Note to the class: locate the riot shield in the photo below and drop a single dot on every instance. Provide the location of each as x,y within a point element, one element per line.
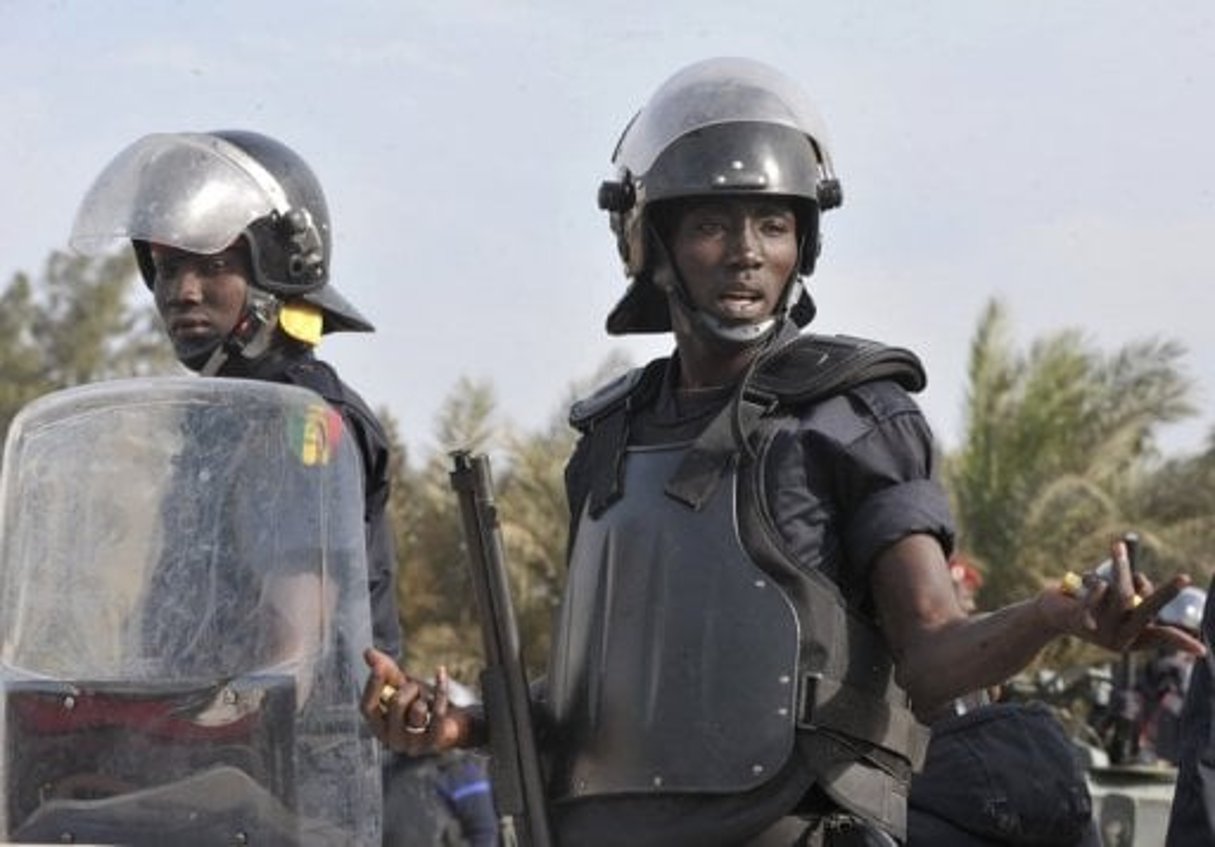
<point>183,600</point>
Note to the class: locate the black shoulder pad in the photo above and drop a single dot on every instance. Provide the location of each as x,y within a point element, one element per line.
<point>317,376</point>
<point>812,367</point>
<point>607,398</point>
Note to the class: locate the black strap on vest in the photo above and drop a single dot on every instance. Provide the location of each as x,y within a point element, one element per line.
<point>604,419</point>
<point>808,369</point>
<point>823,701</point>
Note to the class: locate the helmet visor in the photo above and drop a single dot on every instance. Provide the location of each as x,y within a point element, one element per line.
<point>191,191</point>
<point>716,91</point>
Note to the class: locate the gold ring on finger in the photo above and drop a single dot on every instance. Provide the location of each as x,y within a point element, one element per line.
<point>420,730</point>
<point>387,693</point>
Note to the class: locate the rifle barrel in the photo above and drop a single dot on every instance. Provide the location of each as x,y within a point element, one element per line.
<point>518,783</point>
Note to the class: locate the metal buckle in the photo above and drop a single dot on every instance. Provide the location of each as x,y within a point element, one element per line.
<point>765,400</point>
<point>807,697</point>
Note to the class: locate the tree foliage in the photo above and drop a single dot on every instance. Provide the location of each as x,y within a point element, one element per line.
<point>438,608</point>
<point>72,325</point>
<point>1059,458</point>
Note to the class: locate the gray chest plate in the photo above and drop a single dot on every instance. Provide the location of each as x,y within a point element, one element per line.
<point>675,657</point>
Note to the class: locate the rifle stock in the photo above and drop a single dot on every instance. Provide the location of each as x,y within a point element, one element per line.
<point>518,784</point>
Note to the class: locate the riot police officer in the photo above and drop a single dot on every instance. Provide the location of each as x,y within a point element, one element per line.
<point>758,604</point>
<point>232,236</point>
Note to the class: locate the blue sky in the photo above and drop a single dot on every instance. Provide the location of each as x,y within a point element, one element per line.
<point>1053,154</point>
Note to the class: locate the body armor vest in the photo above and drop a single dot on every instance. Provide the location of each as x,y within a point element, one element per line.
<point>676,547</point>
<point>654,666</point>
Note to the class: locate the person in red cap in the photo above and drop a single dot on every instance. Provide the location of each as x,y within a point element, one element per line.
<point>967,580</point>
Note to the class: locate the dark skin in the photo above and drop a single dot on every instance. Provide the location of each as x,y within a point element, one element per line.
<point>735,257</point>
<point>200,296</point>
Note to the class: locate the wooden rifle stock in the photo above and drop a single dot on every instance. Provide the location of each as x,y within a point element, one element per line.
<point>516,777</point>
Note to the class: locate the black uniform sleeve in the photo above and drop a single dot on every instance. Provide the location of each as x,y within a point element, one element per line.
<point>886,475</point>
<point>865,480</point>
<point>373,449</point>
<point>577,486</point>
<point>381,549</point>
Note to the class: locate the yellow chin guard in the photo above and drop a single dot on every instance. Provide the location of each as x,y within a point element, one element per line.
<point>302,321</point>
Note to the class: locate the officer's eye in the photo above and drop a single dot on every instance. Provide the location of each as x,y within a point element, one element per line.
<point>776,225</point>
<point>216,265</point>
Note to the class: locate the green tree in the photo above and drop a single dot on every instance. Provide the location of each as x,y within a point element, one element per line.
<point>400,505</point>
<point>535,524</point>
<point>22,377</point>
<point>73,325</point>
<point>536,518</point>
<point>438,609</point>
<point>1057,443</point>
<point>1178,499</point>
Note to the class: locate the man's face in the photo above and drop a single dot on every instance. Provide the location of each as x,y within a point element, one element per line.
<point>736,255</point>
<point>200,297</point>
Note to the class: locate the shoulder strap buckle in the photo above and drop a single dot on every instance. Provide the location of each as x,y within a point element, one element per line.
<point>764,402</point>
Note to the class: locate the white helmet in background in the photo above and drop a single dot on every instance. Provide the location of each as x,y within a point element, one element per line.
<point>1185,610</point>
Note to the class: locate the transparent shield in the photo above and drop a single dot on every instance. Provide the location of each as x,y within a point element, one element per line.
<point>192,191</point>
<point>715,91</point>
<point>183,601</point>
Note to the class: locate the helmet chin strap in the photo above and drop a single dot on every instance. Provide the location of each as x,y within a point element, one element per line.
<point>741,335</point>
<point>712,327</point>
<point>252,335</point>
<point>214,362</point>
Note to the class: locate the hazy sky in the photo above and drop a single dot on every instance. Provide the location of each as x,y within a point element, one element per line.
<point>1057,155</point>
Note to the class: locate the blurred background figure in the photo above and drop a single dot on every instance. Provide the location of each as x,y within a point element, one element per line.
<point>1165,679</point>
<point>966,582</point>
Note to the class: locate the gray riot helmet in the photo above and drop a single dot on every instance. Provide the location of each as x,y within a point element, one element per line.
<point>1185,610</point>
<point>721,127</point>
<point>200,192</point>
